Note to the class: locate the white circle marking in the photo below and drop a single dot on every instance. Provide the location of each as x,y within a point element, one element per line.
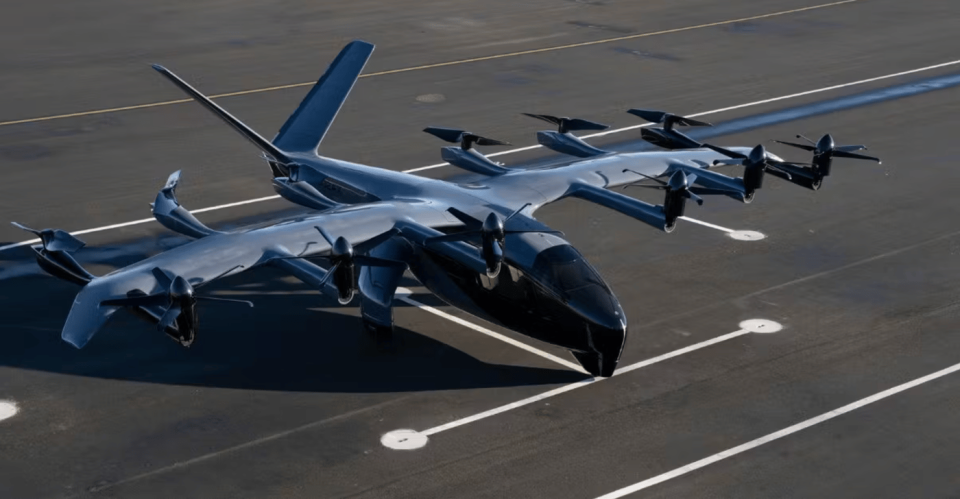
<point>761,326</point>
<point>404,439</point>
<point>8,409</point>
<point>746,235</point>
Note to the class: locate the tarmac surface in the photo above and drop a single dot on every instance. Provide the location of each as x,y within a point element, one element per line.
<point>289,400</point>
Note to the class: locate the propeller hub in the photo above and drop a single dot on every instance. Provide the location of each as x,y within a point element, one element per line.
<point>180,288</point>
<point>678,181</point>
<point>825,144</point>
<point>342,249</point>
<point>757,154</point>
<point>493,226</point>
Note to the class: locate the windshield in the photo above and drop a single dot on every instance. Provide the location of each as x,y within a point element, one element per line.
<point>564,270</point>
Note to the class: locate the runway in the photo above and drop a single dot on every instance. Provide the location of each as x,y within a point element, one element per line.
<point>853,397</point>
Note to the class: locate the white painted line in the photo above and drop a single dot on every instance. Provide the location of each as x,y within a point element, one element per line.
<point>8,409</point>
<point>420,438</point>
<point>505,339</point>
<point>528,148</point>
<point>778,434</point>
<point>677,353</point>
<point>705,224</point>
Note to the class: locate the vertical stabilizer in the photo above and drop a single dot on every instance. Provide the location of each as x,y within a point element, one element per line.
<point>307,126</point>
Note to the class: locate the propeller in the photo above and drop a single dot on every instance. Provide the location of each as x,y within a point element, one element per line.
<point>54,239</point>
<point>491,233</point>
<point>668,120</point>
<point>758,157</point>
<point>465,138</point>
<point>686,184</point>
<point>179,299</point>
<point>678,182</point>
<point>565,124</point>
<point>344,257</point>
<point>825,149</point>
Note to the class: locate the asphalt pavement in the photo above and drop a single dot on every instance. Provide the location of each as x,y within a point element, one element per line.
<point>290,400</point>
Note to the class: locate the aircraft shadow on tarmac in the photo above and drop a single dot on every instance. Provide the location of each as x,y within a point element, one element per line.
<point>293,340</point>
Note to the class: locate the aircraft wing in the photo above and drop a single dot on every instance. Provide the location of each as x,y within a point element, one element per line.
<point>146,287</point>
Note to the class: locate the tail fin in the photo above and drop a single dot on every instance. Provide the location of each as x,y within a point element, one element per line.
<point>307,126</point>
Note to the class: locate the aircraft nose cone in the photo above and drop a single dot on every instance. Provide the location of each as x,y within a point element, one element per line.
<point>607,343</point>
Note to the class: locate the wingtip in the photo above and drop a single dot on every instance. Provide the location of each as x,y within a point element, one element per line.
<point>159,68</point>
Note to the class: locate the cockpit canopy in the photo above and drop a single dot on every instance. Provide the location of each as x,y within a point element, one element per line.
<point>563,270</point>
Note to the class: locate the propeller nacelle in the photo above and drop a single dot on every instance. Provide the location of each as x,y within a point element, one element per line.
<point>824,150</point>
<point>345,258</point>
<point>491,232</point>
<point>679,188</point>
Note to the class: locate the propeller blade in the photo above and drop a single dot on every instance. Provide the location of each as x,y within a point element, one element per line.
<point>470,222</point>
<point>785,172</point>
<point>850,148</point>
<point>844,154</point>
<point>545,117</point>
<point>661,182</point>
<point>446,134</point>
<point>515,213</point>
<point>326,278</point>
<point>635,184</point>
<point>163,279</point>
<point>169,317</point>
<point>24,227</point>
<point>569,124</point>
<point>727,162</point>
<point>798,146</point>
<point>651,116</point>
<point>691,179</point>
<point>693,196</point>
<point>230,300</point>
<point>577,124</point>
<point>808,140</point>
<point>725,152</point>
<point>375,241</point>
<point>325,234</point>
<point>483,141</point>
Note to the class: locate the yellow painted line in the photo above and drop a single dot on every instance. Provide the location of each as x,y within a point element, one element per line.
<point>439,64</point>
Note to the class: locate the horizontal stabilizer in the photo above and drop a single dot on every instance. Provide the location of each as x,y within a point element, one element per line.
<point>306,127</point>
